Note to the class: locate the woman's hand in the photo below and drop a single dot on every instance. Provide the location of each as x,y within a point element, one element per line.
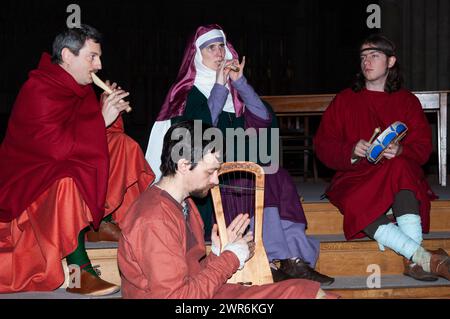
<point>236,75</point>
<point>222,73</point>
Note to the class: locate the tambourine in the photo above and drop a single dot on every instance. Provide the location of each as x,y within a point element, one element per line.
<point>394,133</point>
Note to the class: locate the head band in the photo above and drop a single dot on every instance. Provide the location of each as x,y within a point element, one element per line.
<point>385,51</point>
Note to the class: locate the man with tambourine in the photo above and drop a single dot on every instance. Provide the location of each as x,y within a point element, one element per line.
<point>373,178</point>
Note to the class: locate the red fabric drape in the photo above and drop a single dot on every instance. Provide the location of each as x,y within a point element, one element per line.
<point>54,164</point>
<point>55,130</point>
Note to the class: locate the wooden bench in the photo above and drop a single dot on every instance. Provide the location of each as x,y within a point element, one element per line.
<point>303,106</point>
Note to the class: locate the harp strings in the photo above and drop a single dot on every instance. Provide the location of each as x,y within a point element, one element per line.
<point>237,190</point>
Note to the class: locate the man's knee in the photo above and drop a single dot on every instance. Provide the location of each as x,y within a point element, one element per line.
<point>372,228</point>
<point>405,202</point>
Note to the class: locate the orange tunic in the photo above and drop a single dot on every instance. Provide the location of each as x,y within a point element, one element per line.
<point>162,256</point>
<point>129,172</point>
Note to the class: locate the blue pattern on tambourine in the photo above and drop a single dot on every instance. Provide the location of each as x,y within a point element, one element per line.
<point>394,132</point>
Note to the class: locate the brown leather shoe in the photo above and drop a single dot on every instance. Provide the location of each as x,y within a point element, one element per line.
<point>439,251</point>
<point>416,271</point>
<point>107,232</point>
<point>91,285</point>
<point>440,265</point>
<point>297,268</point>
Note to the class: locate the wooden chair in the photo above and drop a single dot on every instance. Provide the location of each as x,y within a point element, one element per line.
<point>315,104</point>
<point>296,138</point>
<point>237,193</point>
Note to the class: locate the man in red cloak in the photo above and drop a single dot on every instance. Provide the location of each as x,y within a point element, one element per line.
<point>65,163</point>
<point>363,191</point>
<point>162,250</point>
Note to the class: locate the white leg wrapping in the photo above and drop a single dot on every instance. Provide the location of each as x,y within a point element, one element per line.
<point>391,236</point>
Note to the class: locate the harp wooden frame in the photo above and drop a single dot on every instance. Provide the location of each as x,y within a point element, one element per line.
<point>256,270</point>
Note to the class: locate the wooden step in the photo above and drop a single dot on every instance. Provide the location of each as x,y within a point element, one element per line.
<point>337,257</point>
<point>324,218</point>
<point>56,294</point>
<point>352,258</point>
<point>391,286</point>
<point>347,261</point>
<point>348,287</point>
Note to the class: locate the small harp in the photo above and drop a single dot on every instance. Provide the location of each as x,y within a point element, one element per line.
<point>241,190</point>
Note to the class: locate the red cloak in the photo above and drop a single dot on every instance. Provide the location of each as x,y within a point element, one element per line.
<point>56,130</point>
<point>364,191</point>
<point>57,137</point>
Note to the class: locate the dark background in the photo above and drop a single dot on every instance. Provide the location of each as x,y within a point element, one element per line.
<point>291,47</point>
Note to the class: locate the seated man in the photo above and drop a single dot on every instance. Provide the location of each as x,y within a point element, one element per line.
<point>363,191</point>
<point>211,87</point>
<point>65,163</point>
<point>162,251</point>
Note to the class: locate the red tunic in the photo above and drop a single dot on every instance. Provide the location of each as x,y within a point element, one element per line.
<point>161,255</point>
<point>364,191</point>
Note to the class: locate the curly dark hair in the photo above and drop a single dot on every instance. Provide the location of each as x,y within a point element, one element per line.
<point>183,140</point>
<point>394,79</point>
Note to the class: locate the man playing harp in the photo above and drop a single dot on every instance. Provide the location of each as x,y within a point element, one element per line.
<point>162,251</point>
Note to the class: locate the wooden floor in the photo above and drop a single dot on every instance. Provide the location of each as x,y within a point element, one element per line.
<point>353,263</point>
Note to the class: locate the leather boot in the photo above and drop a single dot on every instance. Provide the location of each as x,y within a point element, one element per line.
<point>440,265</point>
<point>297,268</point>
<point>277,273</point>
<point>107,232</point>
<point>439,251</point>
<point>91,285</point>
<point>416,271</point>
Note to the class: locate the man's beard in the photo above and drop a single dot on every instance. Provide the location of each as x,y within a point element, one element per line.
<point>200,192</point>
